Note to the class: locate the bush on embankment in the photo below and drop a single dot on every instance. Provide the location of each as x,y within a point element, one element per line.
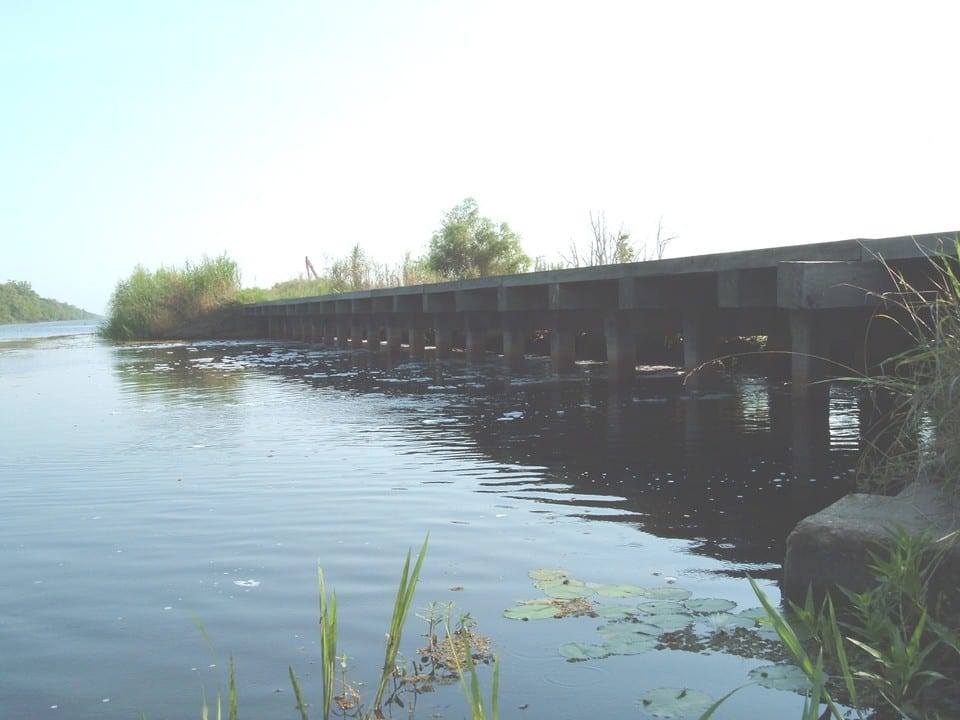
<point>154,305</point>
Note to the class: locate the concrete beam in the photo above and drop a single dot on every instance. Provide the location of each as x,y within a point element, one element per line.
<point>820,285</point>
<point>593,295</point>
<point>527,298</point>
<point>439,302</point>
<point>480,300</point>
<point>751,288</point>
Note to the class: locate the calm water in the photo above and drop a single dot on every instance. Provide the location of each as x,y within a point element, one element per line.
<point>143,486</point>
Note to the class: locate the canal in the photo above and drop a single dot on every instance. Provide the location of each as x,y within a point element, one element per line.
<point>146,489</point>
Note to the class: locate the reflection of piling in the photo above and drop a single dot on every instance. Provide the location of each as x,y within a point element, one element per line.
<point>810,428</point>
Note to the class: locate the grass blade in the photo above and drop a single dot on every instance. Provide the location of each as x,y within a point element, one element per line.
<point>301,705</point>
<point>401,608</point>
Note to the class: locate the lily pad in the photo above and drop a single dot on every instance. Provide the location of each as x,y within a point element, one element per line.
<point>548,575</point>
<point>627,630</point>
<point>668,593</point>
<point>675,702</point>
<point>614,612</point>
<point>620,591</point>
<point>630,644</point>
<point>781,677</point>
<point>670,622</point>
<point>566,590</point>
<point>755,613</point>
<point>532,610</point>
<point>661,607</point>
<point>577,651</point>
<point>706,606</point>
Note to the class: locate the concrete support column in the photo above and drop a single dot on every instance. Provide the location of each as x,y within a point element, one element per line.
<point>475,329</point>
<point>394,335</point>
<point>618,330</point>
<point>514,340</point>
<point>343,331</point>
<point>443,328</point>
<point>373,335</point>
<point>809,347</point>
<point>328,332</point>
<point>699,339</point>
<point>415,330</point>
<point>563,349</point>
<point>356,332</point>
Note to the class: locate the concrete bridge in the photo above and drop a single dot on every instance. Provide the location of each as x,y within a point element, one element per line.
<point>815,301</point>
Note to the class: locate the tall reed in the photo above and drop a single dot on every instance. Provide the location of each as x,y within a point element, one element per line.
<point>924,380</point>
<point>401,609</point>
<point>151,305</point>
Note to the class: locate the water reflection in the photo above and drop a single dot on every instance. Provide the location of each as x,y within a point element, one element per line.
<point>179,371</point>
<point>732,470</point>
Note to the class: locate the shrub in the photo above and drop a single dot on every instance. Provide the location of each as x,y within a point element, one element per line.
<point>153,305</point>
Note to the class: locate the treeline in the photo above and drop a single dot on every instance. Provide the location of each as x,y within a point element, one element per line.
<point>19,303</point>
<point>159,304</point>
<point>466,245</point>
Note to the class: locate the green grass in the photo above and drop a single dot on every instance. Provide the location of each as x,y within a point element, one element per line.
<point>923,382</point>
<point>349,700</point>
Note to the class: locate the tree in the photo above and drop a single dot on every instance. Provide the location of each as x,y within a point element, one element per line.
<point>609,248</point>
<point>467,245</point>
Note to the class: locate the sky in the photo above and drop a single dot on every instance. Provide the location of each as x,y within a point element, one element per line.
<point>140,132</point>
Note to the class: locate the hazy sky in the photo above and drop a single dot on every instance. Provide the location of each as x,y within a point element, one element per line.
<point>154,132</point>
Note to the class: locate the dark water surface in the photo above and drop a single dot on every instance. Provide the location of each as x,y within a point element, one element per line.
<point>143,486</point>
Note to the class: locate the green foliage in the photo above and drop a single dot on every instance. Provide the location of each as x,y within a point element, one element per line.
<point>349,698</point>
<point>893,640</point>
<point>328,644</point>
<point>401,608</point>
<point>471,690</point>
<point>890,621</point>
<point>468,246</point>
<point>922,381</point>
<point>154,305</point>
<point>19,303</point>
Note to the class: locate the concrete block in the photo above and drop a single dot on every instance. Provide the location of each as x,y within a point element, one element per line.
<point>832,548</point>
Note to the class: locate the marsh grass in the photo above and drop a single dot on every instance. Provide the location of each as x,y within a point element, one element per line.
<point>348,700</point>
<point>470,680</point>
<point>401,609</point>
<point>288,289</point>
<point>922,383</point>
<point>232,687</point>
<point>152,305</point>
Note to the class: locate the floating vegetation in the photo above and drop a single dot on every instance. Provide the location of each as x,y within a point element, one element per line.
<point>664,618</point>
<point>549,608</point>
<point>675,702</point>
<point>781,677</point>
